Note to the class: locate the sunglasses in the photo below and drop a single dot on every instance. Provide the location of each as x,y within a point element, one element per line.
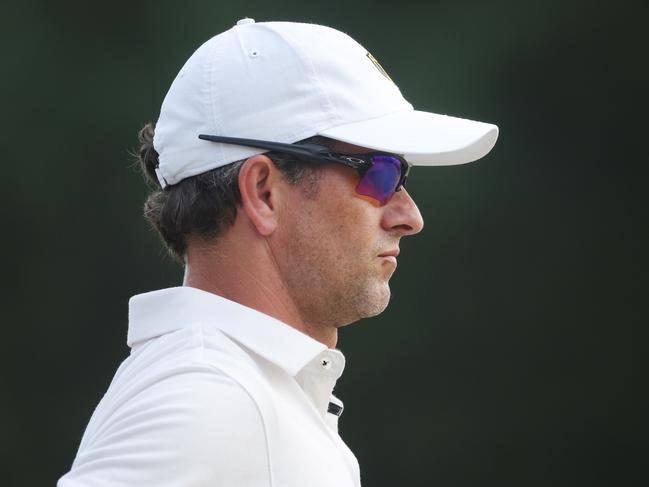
<point>381,175</point>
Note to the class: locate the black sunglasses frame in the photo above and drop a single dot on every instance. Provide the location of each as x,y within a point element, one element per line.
<point>316,153</point>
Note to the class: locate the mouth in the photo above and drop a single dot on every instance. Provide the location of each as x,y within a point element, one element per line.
<point>390,256</point>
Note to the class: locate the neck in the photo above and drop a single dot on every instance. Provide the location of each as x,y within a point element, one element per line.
<point>249,275</point>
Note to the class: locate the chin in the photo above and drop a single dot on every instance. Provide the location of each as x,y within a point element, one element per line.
<point>365,303</point>
<point>377,302</point>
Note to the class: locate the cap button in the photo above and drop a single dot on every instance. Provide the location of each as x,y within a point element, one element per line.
<point>246,21</point>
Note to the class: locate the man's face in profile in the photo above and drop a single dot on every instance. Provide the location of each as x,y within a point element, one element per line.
<point>338,249</point>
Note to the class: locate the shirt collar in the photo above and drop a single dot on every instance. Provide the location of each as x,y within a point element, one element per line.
<point>159,312</point>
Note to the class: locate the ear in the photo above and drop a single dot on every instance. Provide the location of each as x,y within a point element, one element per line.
<point>260,187</point>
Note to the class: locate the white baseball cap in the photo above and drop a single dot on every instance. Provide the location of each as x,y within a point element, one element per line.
<point>285,82</point>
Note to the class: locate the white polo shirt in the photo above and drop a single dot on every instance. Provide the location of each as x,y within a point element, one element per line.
<point>216,394</point>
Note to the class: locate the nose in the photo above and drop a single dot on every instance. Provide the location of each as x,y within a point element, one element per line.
<point>401,215</point>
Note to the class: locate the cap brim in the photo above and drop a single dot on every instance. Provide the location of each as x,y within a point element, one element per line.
<point>422,138</point>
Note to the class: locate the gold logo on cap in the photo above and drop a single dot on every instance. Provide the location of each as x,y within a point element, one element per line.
<point>379,67</point>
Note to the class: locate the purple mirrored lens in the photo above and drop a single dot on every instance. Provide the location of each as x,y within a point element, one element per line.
<point>380,180</point>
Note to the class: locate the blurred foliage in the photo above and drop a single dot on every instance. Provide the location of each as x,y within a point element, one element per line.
<point>513,349</point>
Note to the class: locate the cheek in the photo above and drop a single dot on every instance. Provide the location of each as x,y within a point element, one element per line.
<point>345,226</point>
<point>359,222</point>
<point>337,224</point>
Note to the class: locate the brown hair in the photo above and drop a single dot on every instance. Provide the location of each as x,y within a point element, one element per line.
<point>206,204</point>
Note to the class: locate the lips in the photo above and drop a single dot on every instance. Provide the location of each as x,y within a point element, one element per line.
<point>390,256</point>
<point>390,253</point>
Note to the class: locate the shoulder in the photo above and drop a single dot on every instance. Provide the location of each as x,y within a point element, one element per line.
<point>187,424</point>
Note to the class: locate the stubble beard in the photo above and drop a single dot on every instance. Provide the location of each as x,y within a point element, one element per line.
<point>330,293</point>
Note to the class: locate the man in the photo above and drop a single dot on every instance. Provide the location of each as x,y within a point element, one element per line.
<point>279,159</point>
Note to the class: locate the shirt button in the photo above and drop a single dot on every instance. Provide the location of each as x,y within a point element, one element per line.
<point>325,362</point>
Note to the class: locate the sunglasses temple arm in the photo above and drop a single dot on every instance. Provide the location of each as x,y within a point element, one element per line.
<point>311,152</point>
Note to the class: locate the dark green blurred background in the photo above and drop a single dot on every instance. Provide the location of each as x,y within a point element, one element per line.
<point>513,350</point>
